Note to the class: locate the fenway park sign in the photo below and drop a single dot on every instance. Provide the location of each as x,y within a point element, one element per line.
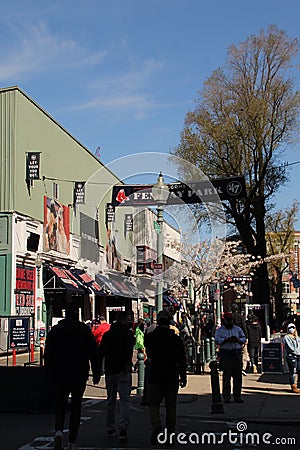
<point>197,192</point>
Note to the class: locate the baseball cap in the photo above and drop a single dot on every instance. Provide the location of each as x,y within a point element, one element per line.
<point>228,316</point>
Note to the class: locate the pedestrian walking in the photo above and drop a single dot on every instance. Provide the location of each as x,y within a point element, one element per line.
<point>70,349</point>
<point>254,341</point>
<point>116,349</point>
<point>139,341</point>
<point>231,338</point>
<point>100,329</point>
<point>292,356</point>
<point>166,354</point>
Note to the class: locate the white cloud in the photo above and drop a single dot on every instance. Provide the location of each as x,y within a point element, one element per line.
<point>35,49</point>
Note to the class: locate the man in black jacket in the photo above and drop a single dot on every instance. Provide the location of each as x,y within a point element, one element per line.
<point>167,358</point>
<point>69,350</point>
<point>116,348</point>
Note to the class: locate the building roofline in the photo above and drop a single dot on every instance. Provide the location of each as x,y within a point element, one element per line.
<point>17,88</point>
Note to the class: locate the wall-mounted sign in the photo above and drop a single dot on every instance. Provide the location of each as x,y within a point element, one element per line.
<point>24,292</point>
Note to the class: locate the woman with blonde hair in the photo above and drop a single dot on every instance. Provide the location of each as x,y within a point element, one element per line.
<point>292,356</point>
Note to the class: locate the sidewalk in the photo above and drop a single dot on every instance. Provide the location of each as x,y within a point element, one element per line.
<point>269,405</point>
<point>267,396</point>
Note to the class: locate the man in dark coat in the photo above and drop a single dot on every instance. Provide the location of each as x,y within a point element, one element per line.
<point>167,358</point>
<point>116,348</point>
<point>70,349</point>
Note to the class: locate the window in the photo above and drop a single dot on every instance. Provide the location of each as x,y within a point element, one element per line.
<point>286,287</point>
<point>55,190</point>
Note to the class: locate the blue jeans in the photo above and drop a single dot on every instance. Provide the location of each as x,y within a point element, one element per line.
<point>119,383</point>
<point>294,370</point>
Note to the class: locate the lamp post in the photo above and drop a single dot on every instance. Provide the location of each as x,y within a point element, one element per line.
<point>38,265</point>
<point>160,193</point>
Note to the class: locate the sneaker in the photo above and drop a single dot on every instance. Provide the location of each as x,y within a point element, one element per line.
<point>123,437</point>
<point>239,400</point>
<point>111,432</point>
<point>244,373</point>
<point>58,441</point>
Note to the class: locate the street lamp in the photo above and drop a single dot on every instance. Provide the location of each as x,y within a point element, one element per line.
<point>160,193</point>
<point>38,265</point>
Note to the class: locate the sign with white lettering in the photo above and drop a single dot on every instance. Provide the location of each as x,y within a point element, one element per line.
<point>194,192</point>
<point>33,166</point>
<point>79,193</point>
<point>18,335</point>
<point>24,291</point>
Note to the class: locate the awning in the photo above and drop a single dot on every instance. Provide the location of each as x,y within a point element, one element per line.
<point>118,285</point>
<point>88,282</point>
<point>169,300</point>
<point>65,280</point>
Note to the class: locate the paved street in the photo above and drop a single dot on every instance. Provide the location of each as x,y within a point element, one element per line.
<point>270,413</point>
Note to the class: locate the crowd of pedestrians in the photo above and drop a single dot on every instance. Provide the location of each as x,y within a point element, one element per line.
<point>74,348</point>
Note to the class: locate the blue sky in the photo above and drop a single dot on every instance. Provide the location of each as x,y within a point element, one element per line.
<point>122,74</point>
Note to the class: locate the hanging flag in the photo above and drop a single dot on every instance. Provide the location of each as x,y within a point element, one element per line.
<point>33,166</point>
<point>128,223</point>
<point>110,213</point>
<point>79,193</point>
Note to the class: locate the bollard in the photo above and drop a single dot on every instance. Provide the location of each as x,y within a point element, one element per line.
<point>213,348</point>
<point>14,357</point>
<point>31,334</point>
<point>217,404</point>
<point>207,349</point>
<point>141,370</point>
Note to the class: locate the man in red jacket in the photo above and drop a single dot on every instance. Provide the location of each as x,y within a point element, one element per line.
<point>102,328</point>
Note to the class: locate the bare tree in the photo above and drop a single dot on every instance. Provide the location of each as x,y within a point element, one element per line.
<point>280,239</point>
<point>245,116</point>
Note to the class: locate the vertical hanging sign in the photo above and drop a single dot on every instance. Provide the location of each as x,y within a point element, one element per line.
<point>110,213</point>
<point>79,193</point>
<point>33,166</point>
<point>128,223</point>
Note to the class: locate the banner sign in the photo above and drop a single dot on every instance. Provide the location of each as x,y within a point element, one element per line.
<point>110,213</point>
<point>89,232</point>
<point>24,292</point>
<point>33,166</point>
<point>128,223</point>
<point>56,226</point>
<point>79,193</point>
<point>195,192</point>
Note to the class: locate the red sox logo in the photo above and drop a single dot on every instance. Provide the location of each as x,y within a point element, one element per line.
<point>121,197</point>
